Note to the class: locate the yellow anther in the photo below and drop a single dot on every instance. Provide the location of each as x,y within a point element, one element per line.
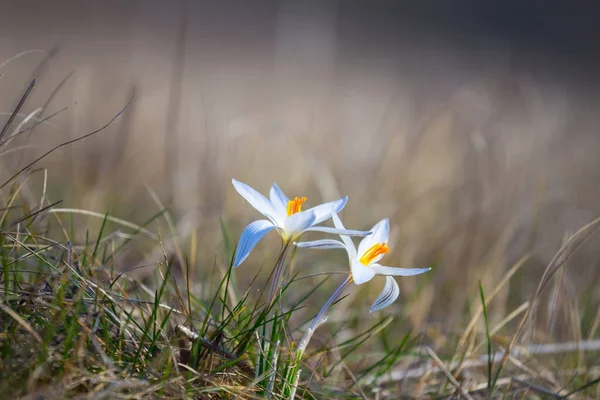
<point>375,251</point>
<point>295,206</point>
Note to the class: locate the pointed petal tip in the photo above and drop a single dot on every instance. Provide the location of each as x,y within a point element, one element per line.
<point>256,200</point>
<point>375,309</point>
<point>342,204</point>
<point>385,224</point>
<point>279,200</point>
<point>239,186</point>
<point>236,261</point>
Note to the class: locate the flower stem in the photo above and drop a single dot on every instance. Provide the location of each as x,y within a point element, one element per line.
<point>330,301</point>
<point>270,329</point>
<point>294,370</point>
<point>277,271</point>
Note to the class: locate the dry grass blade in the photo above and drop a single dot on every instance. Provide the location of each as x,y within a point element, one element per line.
<point>17,109</point>
<point>503,323</point>
<point>21,321</point>
<point>537,388</point>
<point>447,373</point>
<point>21,54</point>
<point>69,142</point>
<point>565,252</point>
<point>118,221</point>
<point>536,349</point>
<point>479,312</point>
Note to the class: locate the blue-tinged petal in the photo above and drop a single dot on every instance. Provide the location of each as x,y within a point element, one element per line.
<point>390,293</point>
<point>323,211</point>
<point>394,271</point>
<point>360,273</point>
<point>296,224</point>
<point>251,235</point>
<point>322,244</point>
<point>350,248</point>
<point>278,199</point>
<point>381,232</point>
<point>256,200</point>
<point>336,231</point>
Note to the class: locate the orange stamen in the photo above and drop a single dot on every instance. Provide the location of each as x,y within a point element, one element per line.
<point>375,251</point>
<point>295,206</point>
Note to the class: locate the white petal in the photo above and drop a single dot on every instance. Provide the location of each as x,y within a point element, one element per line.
<point>322,244</point>
<point>390,293</point>
<point>251,235</point>
<point>350,248</point>
<point>380,234</point>
<point>256,200</point>
<point>394,271</point>
<point>297,223</point>
<point>360,273</point>
<point>278,199</point>
<point>346,232</point>
<point>323,211</point>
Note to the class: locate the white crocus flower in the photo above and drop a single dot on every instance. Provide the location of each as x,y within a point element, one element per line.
<point>364,260</point>
<point>284,215</point>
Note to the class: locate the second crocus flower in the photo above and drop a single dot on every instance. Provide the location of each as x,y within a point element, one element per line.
<point>364,260</point>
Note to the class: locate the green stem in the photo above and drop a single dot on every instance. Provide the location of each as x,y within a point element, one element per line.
<point>329,302</point>
<point>269,330</point>
<point>294,370</point>
<point>277,272</point>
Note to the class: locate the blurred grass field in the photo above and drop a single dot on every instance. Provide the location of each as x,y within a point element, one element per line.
<point>486,170</point>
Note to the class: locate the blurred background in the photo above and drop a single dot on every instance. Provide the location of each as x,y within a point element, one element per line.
<point>472,125</point>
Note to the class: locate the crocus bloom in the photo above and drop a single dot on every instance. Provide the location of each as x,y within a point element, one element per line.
<point>364,260</point>
<point>284,215</point>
